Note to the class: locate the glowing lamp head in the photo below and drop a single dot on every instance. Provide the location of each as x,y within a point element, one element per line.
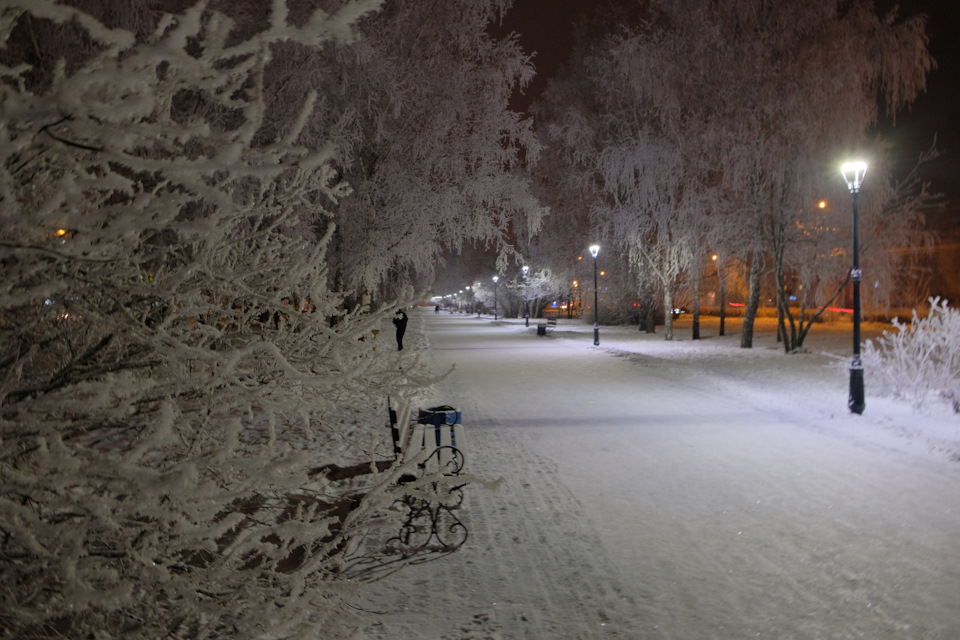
<point>594,250</point>
<point>853,173</point>
<point>496,278</point>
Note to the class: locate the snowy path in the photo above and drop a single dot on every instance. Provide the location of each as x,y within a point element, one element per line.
<point>645,500</point>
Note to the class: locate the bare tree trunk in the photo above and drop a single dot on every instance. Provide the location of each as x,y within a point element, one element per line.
<point>753,302</point>
<point>723,294</point>
<point>667,314</point>
<point>696,302</point>
<point>647,316</point>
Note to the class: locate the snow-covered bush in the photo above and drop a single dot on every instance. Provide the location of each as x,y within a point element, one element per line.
<point>173,363</point>
<point>920,358</point>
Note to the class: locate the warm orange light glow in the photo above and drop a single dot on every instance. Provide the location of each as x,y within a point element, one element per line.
<point>603,273</point>
<point>61,232</point>
<point>714,258</point>
<point>576,284</point>
<point>823,204</point>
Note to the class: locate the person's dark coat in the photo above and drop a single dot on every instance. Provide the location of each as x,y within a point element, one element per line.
<point>400,322</point>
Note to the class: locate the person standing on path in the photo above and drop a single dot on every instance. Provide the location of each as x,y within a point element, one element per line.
<point>400,322</point>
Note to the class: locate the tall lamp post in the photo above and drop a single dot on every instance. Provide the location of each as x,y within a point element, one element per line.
<point>526,303</point>
<point>496,279</point>
<point>722,277</point>
<point>594,251</point>
<point>853,173</point>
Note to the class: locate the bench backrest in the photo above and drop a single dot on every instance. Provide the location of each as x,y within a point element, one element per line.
<point>401,418</point>
<point>445,442</point>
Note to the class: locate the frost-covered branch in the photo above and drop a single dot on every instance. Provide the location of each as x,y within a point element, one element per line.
<point>174,361</point>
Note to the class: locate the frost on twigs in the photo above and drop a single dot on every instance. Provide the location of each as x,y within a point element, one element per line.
<point>919,359</point>
<point>172,359</point>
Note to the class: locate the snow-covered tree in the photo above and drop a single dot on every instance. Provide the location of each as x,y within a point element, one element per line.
<point>812,258</point>
<point>698,113</point>
<point>538,287</point>
<point>171,373</point>
<point>418,109</point>
<point>794,88</point>
<point>636,143</point>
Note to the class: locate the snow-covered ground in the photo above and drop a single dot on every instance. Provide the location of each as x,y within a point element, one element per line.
<point>682,490</point>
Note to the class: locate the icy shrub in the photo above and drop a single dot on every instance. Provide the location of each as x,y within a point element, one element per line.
<point>920,358</point>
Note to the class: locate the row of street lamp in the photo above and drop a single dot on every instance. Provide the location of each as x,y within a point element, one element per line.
<point>853,174</point>
<point>594,251</point>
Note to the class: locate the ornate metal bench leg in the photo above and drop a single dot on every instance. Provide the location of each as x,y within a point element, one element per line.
<point>432,522</point>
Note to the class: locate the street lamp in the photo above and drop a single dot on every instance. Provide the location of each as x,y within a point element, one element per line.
<point>496,279</point>
<point>853,173</point>
<point>526,303</point>
<point>722,277</point>
<point>594,251</point>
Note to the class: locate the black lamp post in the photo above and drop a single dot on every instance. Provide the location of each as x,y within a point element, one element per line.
<point>594,250</point>
<point>853,173</point>
<point>722,278</point>
<point>526,303</point>
<point>496,279</point>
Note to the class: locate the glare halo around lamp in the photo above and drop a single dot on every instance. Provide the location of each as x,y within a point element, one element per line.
<point>853,173</point>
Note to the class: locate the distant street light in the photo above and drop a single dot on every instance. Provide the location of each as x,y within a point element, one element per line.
<point>594,251</point>
<point>853,173</point>
<point>526,303</point>
<point>496,279</point>
<point>722,277</point>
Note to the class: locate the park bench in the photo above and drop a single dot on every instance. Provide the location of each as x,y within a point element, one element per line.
<point>430,455</point>
<point>432,447</point>
<point>546,324</point>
